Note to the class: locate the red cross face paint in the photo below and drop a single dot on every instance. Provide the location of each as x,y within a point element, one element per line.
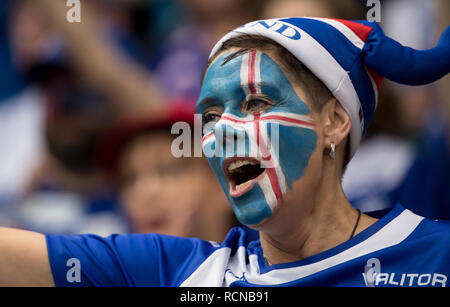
<point>258,134</point>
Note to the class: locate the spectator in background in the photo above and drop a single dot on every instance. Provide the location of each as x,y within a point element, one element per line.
<point>184,50</point>
<point>12,80</point>
<point>66,193</point>
<point>21,114</point>
<point>179,62</point>
<point>315,8</point>
<point>161,193</point>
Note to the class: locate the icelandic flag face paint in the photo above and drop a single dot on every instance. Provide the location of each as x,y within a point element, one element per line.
<point>258,134</point>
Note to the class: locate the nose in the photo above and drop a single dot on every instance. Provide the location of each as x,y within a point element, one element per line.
<point>232,139</point>
<point>150,185</point>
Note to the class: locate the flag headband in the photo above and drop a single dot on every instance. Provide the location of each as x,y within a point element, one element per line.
<point>351,58</point>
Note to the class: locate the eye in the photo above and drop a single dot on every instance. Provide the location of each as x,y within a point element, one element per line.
<point>256,104</point>
<point>211,116</point>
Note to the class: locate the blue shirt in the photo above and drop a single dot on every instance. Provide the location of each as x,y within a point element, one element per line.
<point>409,250</point>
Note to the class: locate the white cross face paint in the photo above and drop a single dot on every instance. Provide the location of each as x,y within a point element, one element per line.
<point>273,145</point>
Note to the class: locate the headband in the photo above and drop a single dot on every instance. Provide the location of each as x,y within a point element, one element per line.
<point>351,58</point>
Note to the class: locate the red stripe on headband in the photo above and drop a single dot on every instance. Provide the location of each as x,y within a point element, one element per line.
<point>362,31</point>
<point>376,77</point>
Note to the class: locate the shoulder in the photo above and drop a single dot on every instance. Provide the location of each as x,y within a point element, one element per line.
<point>434,228</point>
<point>403,230</point>
<point>431,235</point>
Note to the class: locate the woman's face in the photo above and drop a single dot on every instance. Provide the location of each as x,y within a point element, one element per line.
<point>259,135</point>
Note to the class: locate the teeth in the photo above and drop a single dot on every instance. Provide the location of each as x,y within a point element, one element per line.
<point>243,185</point>
<point>236,164</point>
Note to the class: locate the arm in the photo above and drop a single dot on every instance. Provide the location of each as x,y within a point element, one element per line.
<point>24,259</point>
<point>127,85</point>
<point>151,260</point>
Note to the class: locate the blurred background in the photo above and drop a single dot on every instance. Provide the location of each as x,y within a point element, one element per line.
<point>86,110</point>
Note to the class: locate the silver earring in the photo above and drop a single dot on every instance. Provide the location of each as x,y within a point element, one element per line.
<point>333,150</point>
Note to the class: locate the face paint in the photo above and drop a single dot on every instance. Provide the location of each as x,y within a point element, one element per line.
<point>273,146</point>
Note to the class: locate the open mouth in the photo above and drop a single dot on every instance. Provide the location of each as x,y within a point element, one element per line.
<point>242,174</point>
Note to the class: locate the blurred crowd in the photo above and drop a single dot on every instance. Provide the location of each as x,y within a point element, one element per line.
<point>86,110</point>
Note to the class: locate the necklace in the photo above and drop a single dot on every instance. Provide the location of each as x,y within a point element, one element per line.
<point>356,224</point>
<point>351,236</point>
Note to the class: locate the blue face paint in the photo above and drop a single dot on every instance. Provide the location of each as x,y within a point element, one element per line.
<point>229,87</point>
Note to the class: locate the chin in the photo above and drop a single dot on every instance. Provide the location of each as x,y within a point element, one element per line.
<point>251,209</point>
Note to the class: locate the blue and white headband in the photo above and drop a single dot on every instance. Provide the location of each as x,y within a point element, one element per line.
<point>351,58</point>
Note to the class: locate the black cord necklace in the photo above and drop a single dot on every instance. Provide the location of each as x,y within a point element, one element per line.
<point>351,236</point>
<point>356,224</point>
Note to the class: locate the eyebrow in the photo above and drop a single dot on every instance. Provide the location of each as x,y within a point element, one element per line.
<point>234,55</point>
<point>275,90</point>
<point>206,101</point>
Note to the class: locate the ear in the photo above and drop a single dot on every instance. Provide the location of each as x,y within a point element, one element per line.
<point>336,123</point>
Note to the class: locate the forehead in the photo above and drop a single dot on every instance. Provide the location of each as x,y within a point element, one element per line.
<point>233,62</point>
<point>233,78</point>
<point>143,148</point>
<point>228,73</point>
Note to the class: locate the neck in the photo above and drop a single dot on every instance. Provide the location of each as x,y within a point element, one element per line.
<point>319,223</point>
